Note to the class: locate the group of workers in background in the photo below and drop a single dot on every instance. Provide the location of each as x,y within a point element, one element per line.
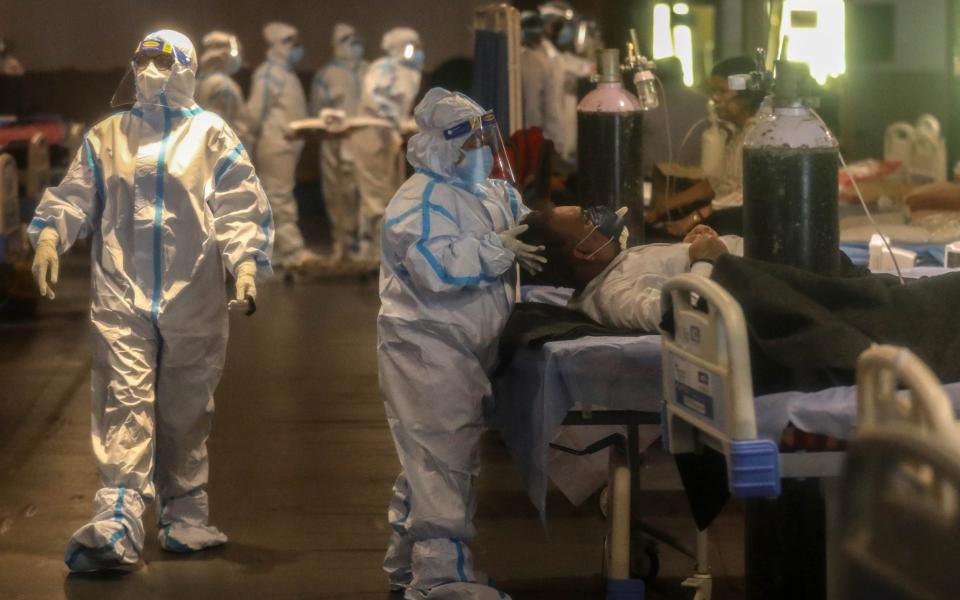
<point>359,166</point>
<point>451,242</point>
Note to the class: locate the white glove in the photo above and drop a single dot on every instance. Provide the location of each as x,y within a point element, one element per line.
<point>528,256</point>
<point>46,262</point>
<point>246,274</point>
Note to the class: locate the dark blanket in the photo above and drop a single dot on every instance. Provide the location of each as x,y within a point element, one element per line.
<point>806,330</point>
<point>533,324</point>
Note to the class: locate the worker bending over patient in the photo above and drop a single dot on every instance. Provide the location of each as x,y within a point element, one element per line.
<point>446,289</point>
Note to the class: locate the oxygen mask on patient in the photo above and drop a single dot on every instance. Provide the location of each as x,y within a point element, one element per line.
<point>608,222</point>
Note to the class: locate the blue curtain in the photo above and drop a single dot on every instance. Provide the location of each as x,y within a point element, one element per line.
<point>491,81</point>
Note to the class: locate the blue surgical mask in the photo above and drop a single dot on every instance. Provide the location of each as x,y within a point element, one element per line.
<point>296,55</point>
<point>475,166</point>
<point>416,62</point>
<point>356,51</point>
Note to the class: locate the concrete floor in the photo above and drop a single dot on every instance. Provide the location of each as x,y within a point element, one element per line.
<point>302,464</point>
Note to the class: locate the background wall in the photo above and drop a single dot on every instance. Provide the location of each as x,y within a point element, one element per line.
<point>100,34</point>
<point>915,78</point>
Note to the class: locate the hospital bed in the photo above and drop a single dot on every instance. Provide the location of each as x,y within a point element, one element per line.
<point>899,520</point>
<point>709,403</point>
<point>619,380</point>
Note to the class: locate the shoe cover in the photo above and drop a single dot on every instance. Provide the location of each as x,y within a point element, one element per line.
<point>457,591</point>
<point>397,561</point>
<point>113,539</point>
<point>438,561</point>
<point>180,537</point>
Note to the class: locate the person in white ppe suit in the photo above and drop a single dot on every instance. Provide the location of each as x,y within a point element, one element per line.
<point>557,18</point>
<point>276,98</point>
<point>389,89</point>
<point>171,201</point>
<point>339,86</point>
<point>216,89</point>
<point>541,101</point>
<point>446,288</point>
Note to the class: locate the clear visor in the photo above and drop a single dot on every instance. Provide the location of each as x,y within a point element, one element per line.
<point>409,50</point>
<point>486,132</point>
<point>162,55</point>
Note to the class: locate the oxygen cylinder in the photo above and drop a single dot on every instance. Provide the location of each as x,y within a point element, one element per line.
<point>790,187</point>
<point>609,150</point>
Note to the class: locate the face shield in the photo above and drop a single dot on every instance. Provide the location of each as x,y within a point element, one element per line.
<point>483,154</point>
<point>413,56</point>
<point>234,62</point>
<point>151,68</point>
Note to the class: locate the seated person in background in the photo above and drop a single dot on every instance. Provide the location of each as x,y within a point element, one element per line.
<point>724,190</point>
<point>687,107</point>
<point>617,288</point>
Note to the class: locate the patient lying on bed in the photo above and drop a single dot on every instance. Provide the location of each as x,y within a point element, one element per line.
<point>619,288</point>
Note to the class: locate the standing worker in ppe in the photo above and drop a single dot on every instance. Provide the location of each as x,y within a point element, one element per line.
<point>558,38</point>
<point>446,288</point>
<point>216,89</point>
<point>276,98</point>
<point>389,89</point>
<point>171,200</point>
<point>541,100</point>
<point>339,86</point>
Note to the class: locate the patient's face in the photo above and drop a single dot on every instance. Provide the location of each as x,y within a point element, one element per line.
<point>568,225</point>
<point>573,239</point>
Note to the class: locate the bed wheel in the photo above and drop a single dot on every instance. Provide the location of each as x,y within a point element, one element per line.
<point>645,560</point>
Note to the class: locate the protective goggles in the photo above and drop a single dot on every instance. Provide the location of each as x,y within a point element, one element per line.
<point>161,53</point>
<point>483,131</point>
<point>608,222</point>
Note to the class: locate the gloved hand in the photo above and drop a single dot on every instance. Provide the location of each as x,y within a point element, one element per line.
<point>46,262</point>
<point>528,256</point>
<point>246,275</point>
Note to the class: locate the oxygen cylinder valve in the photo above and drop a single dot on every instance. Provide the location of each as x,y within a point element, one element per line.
<point>643,78</point>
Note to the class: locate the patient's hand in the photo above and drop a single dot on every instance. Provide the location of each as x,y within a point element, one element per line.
<point>708,248</point>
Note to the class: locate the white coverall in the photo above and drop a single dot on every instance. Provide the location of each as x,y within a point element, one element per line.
<point>339,85</point>
<point>626,295</point>
<point>446,290</point>
<point>170,199</point>
<point>276,98</point>
<point>216,89</point>
<point>555,130</point>
<point>389,89</point>
<point>541,103</point>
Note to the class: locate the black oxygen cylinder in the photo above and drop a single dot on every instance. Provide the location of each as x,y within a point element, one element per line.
<point>609,149</point>
<point>790,185</point>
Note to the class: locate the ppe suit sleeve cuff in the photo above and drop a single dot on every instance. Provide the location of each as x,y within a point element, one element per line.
<point>45,232</point>
<point>255,262</point>
<point>494,258</point>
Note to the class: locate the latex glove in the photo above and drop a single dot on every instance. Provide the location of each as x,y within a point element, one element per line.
<point>246,275</point>
<point>46,262</point>
<point>529,257</point>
